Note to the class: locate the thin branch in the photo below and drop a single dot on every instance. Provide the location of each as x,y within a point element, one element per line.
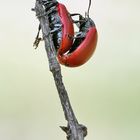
<point>74,130</point>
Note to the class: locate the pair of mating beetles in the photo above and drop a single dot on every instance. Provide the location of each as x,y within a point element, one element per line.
<point>73,49</point>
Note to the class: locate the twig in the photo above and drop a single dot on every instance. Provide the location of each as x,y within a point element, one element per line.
<point>74,130</point>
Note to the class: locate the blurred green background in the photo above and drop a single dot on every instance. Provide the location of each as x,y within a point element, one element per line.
<point>105,92</point>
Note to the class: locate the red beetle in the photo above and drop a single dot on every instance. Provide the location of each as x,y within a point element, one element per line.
<point>61,26</point>
<point>83,46</point>
<point>67,29</point>
<point>70,53</point>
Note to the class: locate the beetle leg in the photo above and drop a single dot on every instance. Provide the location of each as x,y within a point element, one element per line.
<point>51,10</point>
<point>81,18</point>
<point>80,35</point>
<point>75,14</point>
<point>56,28</point>
<point>49,4</point>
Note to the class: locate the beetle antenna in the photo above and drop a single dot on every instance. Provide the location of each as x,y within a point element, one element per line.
<point>88,8</point>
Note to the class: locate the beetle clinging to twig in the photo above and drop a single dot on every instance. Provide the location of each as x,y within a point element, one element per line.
<point>72,49</point>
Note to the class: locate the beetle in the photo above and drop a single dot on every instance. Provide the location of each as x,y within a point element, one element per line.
<point>67,29</point>
<point>61,25</point>
<point>84,44</point>
<point>71,53</point>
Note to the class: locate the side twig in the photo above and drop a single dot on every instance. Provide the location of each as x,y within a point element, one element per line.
<point>74,130</point>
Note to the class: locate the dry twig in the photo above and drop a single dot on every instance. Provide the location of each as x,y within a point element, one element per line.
<point>74,130</point>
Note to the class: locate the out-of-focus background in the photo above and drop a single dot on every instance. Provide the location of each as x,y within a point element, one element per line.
<point>105,92</point>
